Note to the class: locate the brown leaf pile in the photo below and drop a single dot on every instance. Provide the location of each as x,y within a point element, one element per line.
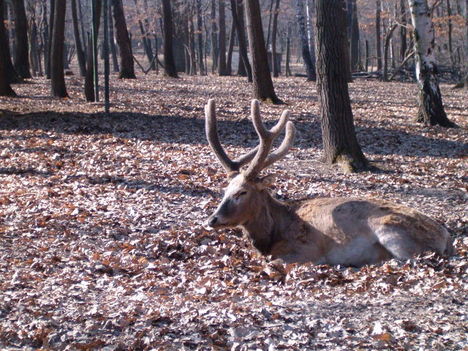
<point>102,244</point>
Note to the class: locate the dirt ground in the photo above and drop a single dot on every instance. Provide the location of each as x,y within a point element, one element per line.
<point>102,244</point>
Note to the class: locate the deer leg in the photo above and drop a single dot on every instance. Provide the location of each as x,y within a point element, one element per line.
<point>396,241</point>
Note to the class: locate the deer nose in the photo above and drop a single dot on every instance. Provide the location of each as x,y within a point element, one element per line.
<point>212,221</point>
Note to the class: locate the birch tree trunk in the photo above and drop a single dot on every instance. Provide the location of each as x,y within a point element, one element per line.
<point>431,108</point>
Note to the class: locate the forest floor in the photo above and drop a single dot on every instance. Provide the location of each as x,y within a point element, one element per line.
<point>102,244</point>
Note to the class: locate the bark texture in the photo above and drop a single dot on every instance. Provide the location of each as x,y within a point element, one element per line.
<point>262,82</point>
<point>339,138</point>
<point>431,109</point>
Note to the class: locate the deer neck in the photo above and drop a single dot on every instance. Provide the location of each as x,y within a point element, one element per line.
<point>265,227</point>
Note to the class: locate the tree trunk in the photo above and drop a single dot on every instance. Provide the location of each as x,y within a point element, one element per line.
<point>5,54</point>
<point>232,38</point>
<point>388,37</point>
<point>353,35</point>
<point>222,71</point>
<point>274,61</point>
<point>34,55</point>
<point>449,32</point>
<point>56,63</point>
<point>145,38</point>
<point>191,44</point>
<point>310,28</point>
<point>201,64</point>
<point>49,44</point>
<point>237,9</point>
<point>113,49</point>
<point>21,37</point>
<point>127,70</point>
<point>5,88</point>
<point>431,108</point>
<point>367,56</point>
<point>339,138</point>
<point>79,48</point>
<point>90,93</point>
<point>267,44</point>
<point>378,38</point>
<point>287,68</point>
<point>262,83</point>
<point>310,66</point>
<point>214,38</point>
<point>403,44</point>
<point>169,62</point>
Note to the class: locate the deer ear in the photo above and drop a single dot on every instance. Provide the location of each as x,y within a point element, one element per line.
<point>266,181</point>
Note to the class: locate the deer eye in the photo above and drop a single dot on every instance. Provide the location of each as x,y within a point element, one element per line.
<point>240,193</point>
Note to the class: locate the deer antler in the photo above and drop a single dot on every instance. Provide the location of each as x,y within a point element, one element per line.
<point>259,155</point>
<point>262,159</point>
<point>211,130</point>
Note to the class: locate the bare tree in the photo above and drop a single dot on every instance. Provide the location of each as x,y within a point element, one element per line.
<point>353,30</point>
<point>300,15</point>
<point>127,70</point>
<point>56,60</point>
<point>340,144</point>
<point>431,109</point>
<point>262,83</point>
<point>378,43</point>
<point>5,88</point>
<point>91,64</point>
<point>169,63</point>
<point>237,9</point>
<point>21,38</point>
<point>76,32</point>
<point>201,64</point>
<point>222,69</point>
<point>274,30</point>
<point>214,38</point>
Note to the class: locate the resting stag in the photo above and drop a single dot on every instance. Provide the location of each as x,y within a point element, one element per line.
<point>334,231</point>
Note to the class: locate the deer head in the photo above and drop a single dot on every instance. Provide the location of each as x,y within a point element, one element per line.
<point>243,196</point>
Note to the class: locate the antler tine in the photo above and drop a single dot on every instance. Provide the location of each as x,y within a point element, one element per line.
<point>283,149</point>
<point>261,159</point>
<point>211,130</point>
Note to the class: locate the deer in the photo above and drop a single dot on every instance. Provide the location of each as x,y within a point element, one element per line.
<point>341,231</point>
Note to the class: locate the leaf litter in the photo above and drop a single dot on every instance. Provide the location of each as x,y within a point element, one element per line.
<point>102,238</point>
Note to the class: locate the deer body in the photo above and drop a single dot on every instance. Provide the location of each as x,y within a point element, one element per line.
<point>335,231</point>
